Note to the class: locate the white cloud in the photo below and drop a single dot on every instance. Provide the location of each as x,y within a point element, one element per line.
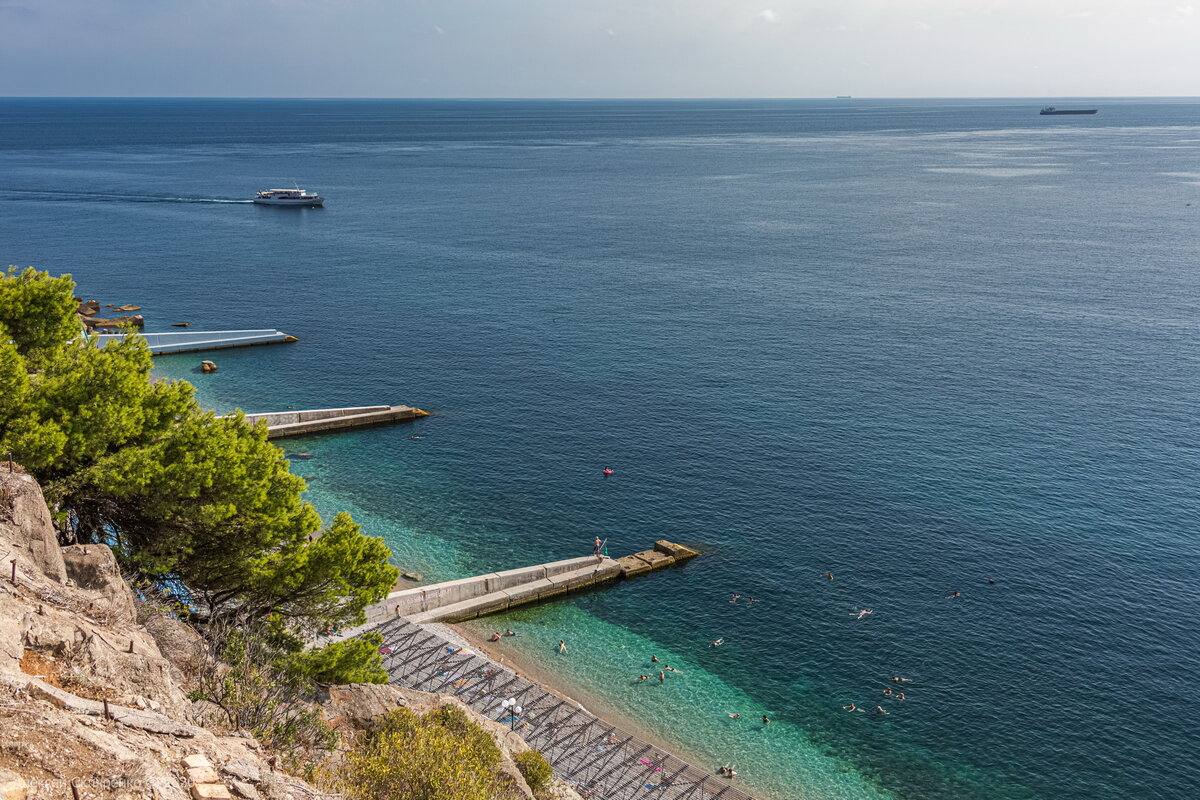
<point>768,15</point>
<point>922,26</point>
<point>1186,10</point>
<point>610,31</point>
<point>439,30</point>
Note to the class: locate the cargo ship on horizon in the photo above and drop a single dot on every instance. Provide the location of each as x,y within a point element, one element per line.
<point>1053,110</point>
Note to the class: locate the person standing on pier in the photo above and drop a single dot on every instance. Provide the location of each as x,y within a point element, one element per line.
<point>596,546</point>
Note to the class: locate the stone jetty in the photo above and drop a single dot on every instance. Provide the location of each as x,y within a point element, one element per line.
<point>468,598</point>
<point>197,341</point>
<point>323,420</point>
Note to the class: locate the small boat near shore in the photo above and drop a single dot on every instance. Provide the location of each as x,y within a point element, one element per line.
<point>288,197</point>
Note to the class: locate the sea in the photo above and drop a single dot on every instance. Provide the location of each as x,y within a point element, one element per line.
<point>913,344</point>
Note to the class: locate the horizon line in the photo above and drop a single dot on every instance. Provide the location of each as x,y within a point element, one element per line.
<point>465,98</point>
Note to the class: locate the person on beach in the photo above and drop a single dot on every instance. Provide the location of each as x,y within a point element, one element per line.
<point>495,637</point>
<point>562,646</point>
<point>397,612</point>
<point>765,720</point>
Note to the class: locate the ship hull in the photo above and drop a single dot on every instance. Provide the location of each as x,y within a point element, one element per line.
<point>308,201</point>
<point>1073,111</point>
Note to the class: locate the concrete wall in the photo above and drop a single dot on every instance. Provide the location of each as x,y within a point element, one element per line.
<point>540,577</point>
<point>274,418</point>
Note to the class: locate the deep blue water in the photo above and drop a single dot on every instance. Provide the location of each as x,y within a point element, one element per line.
<point>913,343</point>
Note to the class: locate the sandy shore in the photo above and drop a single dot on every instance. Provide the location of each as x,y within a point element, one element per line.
<point>531,670</point>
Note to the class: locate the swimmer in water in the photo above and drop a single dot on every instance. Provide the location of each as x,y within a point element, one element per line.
<point>828,575</point>
<point>991,580</point>
<point>510,633</point>
<point>416,437</point>
<point>881,711</point>
<point>643,678</point>
<point>662,676</point>
<point>495,637</point>
<point>716,643</point>
<point>735,716</point>
<point>888,691</point>
<point>562,646</point>
<point>765,720</point>
<point>734,599</point>
<point>901,696</point>
<point>851,707</point>
<point>654,659</point>
<point>953,594</point>
<point>862,613</point>
<point>751,600</point>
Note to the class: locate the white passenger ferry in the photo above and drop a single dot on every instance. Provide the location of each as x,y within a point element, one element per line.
<point>288,197</point>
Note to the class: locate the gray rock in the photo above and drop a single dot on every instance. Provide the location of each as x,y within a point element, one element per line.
<point>243,789</point>
<point>241,768</point>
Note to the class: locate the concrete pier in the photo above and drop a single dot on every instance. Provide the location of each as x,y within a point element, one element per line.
<point>298,423</point>
<point>197,341</point>
<point>468,598</point>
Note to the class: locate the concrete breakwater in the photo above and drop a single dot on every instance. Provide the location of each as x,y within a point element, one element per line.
<point>468,598</point>
<point>297,423</point>
<point>196,341</point>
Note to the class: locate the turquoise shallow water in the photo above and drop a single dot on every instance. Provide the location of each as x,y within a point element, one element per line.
<point>913,343</point>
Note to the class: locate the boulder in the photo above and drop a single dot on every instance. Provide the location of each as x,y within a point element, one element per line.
<point>207,367</point>
<point>26,530</point>
<point>94,568</point>
<point>88,308</point>
<point>12,786</point>
<point>96,323</point>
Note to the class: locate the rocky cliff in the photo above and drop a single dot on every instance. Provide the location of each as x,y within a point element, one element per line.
<point>93,699</point>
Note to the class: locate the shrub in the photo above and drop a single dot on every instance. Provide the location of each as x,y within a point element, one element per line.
<point>440,756</point>
<point>535,769</point>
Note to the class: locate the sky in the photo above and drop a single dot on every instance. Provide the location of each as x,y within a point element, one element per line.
<point>600,48</point>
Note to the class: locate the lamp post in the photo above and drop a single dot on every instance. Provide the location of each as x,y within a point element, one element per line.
<point>514,711</point>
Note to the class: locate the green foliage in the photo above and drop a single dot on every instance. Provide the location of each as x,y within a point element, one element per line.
<point>203,504</point>
<point>355,660</point>
<point>37,312</point>
<point>535,769</point>
<point>440,756</point>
